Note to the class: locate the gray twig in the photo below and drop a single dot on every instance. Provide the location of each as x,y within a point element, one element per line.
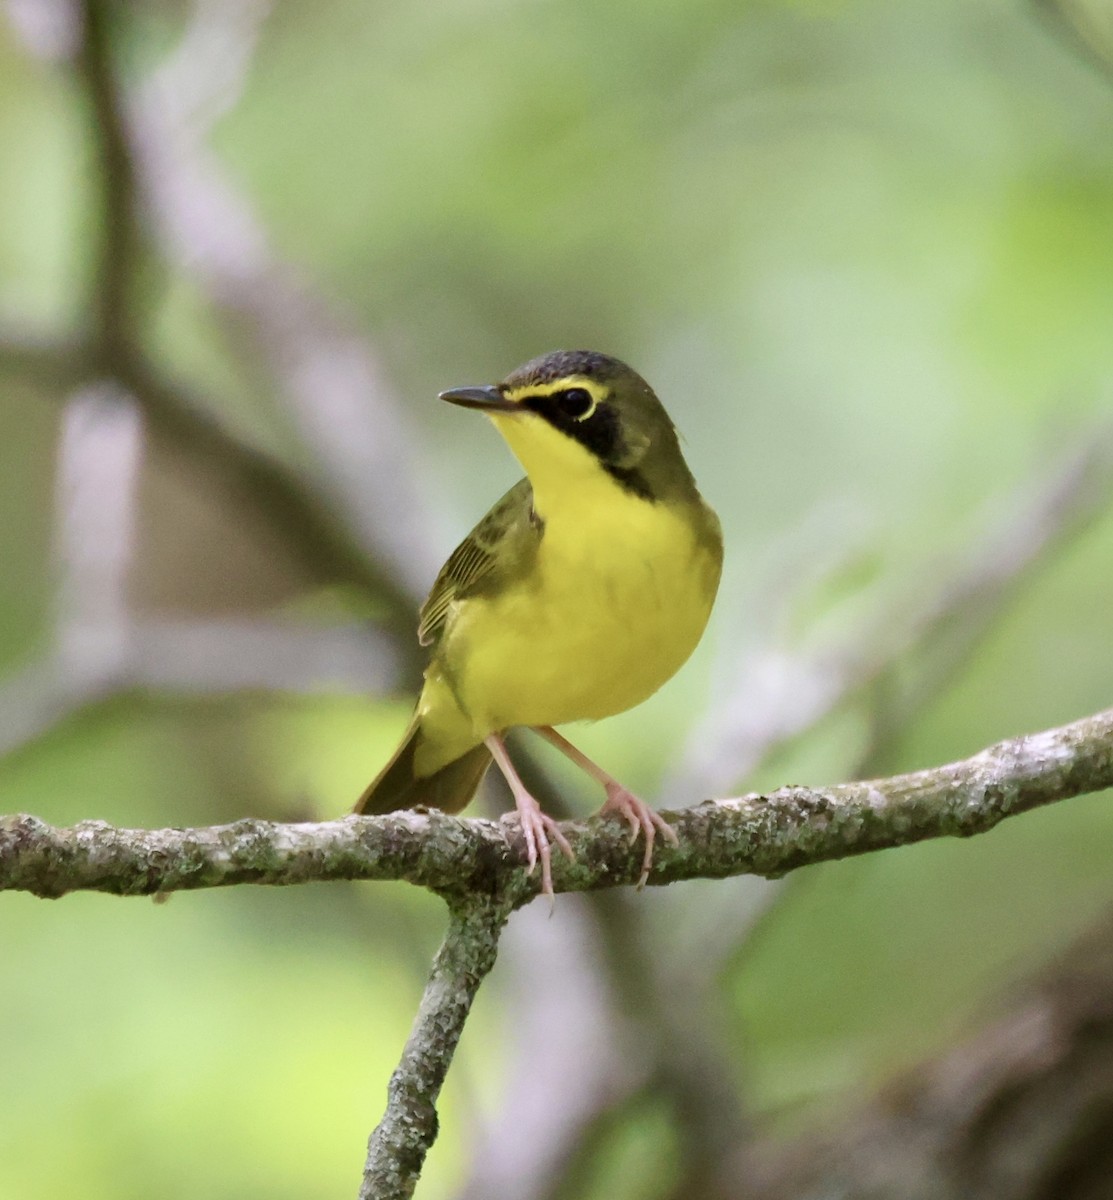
<point>577,1049</point>
<point>398,1146</point>
<point>477,866</point>
<point>767,835</point>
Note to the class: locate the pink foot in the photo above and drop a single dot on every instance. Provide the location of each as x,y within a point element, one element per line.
<point>537,828</point>
<point>641,819</point>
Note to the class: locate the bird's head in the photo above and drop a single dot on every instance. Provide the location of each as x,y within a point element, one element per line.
<point>571,413</point>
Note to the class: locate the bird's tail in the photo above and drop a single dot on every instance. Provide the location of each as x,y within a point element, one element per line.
<point>450,787</point>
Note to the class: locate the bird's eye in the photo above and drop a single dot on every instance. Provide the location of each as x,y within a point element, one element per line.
<point>576,402</point>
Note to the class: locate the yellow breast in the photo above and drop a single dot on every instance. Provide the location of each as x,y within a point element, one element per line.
<point>620,596</point>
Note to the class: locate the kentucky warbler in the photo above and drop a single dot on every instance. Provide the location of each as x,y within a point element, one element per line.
<point>581,592</point>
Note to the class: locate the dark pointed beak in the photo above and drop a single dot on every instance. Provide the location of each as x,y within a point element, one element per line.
<point>488,398</point>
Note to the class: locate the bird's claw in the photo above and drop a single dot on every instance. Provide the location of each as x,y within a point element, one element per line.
<point>641,819</point>
<point>538,829</point>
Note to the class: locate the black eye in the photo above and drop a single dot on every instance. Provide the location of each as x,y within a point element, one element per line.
<point>575,402</point>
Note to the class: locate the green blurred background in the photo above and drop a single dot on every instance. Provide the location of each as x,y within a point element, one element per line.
<point>863,251</point>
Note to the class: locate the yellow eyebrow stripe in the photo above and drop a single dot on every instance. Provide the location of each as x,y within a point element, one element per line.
<point>516,394</point>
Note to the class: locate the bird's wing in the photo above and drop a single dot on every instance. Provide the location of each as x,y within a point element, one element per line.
<point>498,541</point>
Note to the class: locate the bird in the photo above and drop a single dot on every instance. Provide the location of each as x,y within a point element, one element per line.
<point>581,592</point>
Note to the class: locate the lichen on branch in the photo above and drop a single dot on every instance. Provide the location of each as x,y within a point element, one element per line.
<point>761,834</point>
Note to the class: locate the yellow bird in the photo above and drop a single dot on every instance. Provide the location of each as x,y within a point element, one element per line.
<point>577,596</point>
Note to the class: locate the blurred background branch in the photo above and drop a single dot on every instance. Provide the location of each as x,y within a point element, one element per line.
<point>1025,1097</point>
<point>908,647</point>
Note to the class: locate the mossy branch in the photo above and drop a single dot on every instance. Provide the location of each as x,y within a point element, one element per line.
<point>397,1149</point>
<point>755,834</point>
<point>476,866</point>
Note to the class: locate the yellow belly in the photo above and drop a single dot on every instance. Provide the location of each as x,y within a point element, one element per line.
<point>608,615</point>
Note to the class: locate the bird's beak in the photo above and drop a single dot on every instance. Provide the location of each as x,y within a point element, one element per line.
<point>489,399</point>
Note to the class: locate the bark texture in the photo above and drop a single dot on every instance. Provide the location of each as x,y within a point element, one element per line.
<point>765,835</point>
<point>397,1149</point>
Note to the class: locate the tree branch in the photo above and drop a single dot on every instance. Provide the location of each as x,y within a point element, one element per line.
<point>397,1148</point>
<point>326,376</point>
<point>477,866</point>
<point>764,835</point>
<point>119,244</point>
<point>141,171</point>
<point>254,481</point>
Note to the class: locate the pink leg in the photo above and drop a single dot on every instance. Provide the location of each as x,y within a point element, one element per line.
<point>637,814</point>
<point>536,826</point>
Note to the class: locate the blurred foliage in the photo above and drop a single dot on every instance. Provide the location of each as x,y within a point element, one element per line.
<point>863,250</point>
